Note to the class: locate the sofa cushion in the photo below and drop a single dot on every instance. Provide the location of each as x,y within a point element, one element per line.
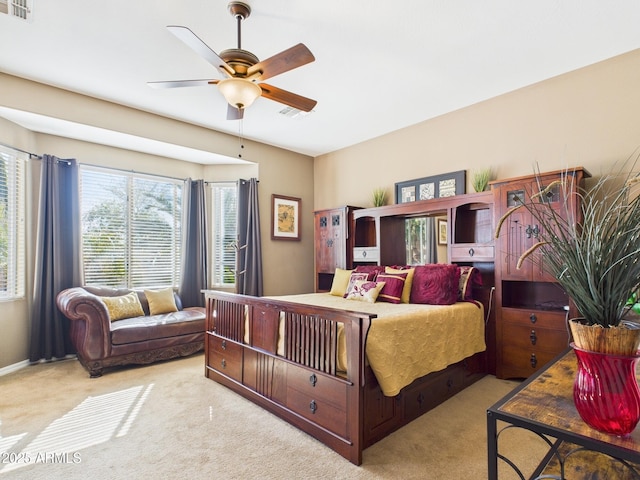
<point>161,301</point>
<point>143,328</point>
<point>123,306</point>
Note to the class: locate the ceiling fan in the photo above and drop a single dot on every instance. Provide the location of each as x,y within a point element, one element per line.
<point>243,70</point>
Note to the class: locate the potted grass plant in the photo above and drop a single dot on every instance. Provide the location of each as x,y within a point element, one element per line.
<point>595,258</point>
<point>379,197</point>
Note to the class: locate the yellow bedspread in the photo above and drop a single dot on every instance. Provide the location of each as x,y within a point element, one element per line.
<point>407,340</point>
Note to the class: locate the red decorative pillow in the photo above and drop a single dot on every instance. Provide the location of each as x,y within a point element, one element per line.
<point>470,277</point>
<point>371,270</point>
<point>436,284</point>
<point>355,276</point>
<point>393,285</point>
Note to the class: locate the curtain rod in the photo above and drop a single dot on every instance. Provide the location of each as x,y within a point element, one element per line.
<point>22,151</point>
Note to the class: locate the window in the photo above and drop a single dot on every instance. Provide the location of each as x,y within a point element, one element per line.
<point>225,234</point>
<point>22,9</point>
<point>12,224</point>
<point>131,228</point>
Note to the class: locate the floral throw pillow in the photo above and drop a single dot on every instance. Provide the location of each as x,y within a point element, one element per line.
<point>365,291</point>
<point>355,276</point>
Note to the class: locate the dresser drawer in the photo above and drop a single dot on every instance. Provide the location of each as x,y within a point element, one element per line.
<point>225,356</point>
<point>472,252</point>
<point>317,385</point>
<point>318,411</point>
<point>538,318</point>
<point>525,337</point>
<point>366,254</point>
<point>518,363</point>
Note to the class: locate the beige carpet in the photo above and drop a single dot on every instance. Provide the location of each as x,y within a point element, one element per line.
<point>167,421</point>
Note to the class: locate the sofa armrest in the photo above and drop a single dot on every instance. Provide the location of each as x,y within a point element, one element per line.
<point>90,322</point>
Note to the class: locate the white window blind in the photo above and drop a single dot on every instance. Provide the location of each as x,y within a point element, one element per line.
<point>225,233</point>
<point>131,229</point>
<point>22,9</point>
<point>12,224</point>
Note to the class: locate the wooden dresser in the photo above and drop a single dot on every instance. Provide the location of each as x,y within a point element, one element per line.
<point>531,309</point>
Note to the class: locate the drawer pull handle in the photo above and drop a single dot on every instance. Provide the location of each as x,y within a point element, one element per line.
<point>533,337</point>
<point>313,406</point>
<point>534,360</point>
<point>471,252</point>
<point>224,344</point>
<point>364,253</point>
<point>313,379</point>
<point>420,399</point>
<point>533,318</point>
<point>223,363</point>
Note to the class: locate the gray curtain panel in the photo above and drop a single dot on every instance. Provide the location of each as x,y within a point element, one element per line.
<point>57,261</point>
<point>249,259</point>
<point>432,241</point>
<point>194,246</point>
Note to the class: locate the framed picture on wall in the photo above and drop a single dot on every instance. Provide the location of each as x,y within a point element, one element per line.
<point>285,217</point>
<point>437,186</point>
<point>442,231</point>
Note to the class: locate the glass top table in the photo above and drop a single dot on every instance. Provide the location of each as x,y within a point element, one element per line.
<point>543,404</point>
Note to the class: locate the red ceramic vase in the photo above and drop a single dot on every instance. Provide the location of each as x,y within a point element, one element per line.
<point>606,391</point>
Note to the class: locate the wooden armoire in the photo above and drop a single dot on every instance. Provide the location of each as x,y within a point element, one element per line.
<point>531,308</point>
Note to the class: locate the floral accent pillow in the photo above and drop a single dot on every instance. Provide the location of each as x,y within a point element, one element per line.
<point>355,276</point>
<point>365,291</point>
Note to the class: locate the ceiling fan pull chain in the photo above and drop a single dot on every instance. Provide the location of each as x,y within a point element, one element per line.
<point>241,136</point>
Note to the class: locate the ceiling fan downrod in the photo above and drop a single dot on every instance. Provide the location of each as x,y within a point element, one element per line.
<point>239,11</point>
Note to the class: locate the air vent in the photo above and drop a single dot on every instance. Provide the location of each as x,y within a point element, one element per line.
<point>294,112</point>
<point>22,9</point>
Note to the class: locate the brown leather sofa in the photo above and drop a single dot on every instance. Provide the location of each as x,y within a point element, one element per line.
<point>144,339</point>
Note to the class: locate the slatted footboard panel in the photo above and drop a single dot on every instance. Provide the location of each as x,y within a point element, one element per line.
<point>227,319</point>
<point>312,341</point>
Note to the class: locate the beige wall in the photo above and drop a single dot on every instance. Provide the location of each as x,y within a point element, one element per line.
<point>584,118</point>
<point>288,266</point>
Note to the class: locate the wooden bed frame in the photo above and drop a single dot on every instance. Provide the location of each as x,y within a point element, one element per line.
<point>346,412</point>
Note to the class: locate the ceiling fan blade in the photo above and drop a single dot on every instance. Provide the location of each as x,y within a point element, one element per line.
<point>234,113</point>
<point>182,83</point>
<point>289,59</point>
<point>293,100</point>
<point>201,48</point>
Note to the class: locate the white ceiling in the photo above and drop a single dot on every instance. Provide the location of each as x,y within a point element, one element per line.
<point>380,65</point>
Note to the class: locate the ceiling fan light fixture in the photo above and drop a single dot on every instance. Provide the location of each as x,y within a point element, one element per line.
<point>239,92</point>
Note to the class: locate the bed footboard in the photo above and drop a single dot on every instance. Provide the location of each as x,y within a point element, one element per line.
<point>298,379</point>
